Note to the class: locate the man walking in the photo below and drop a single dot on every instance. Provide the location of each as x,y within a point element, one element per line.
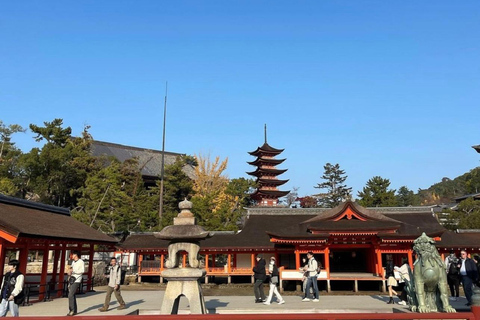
<point>259,274</point>
<point>76,273</point>
<point>469,275</point>
<point>12,294</point>
<point>114,275</point>
<point>312,267</point>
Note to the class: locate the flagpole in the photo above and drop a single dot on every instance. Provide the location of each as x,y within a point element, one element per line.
<point>162,172</point>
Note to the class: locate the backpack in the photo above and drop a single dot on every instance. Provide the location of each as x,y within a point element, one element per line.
<point>319,267</point>
<point>453,269</point>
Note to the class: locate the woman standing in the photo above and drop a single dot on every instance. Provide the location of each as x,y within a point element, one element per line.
<point>274,279</point>
<point>391,281</point>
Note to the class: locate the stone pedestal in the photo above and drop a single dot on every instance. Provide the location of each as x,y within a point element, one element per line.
<point>186,282</point>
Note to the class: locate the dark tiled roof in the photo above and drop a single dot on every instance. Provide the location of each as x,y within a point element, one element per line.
<point>143,241</point>
<point>266,148</point>
<point>149,160</point>
<point>270,193</point>
<point>261,172</point>
<point>275,182</point>
<point>453,240</point>
<point>271,161</point>
<point>26,218</point>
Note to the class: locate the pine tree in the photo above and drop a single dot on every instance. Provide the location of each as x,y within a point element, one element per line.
<point>337,191</point>
<point>377,194</point>
<point>406,197</point>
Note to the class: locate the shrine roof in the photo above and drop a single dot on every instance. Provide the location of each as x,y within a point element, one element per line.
<point>143,241</point>
<point>23,218</point>
<point>150,161</point>
<point>459,240</point>
<point>266,148</point>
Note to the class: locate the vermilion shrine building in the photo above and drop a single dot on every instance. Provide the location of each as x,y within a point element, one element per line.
<point>28,228</point>
<point>351,242</point>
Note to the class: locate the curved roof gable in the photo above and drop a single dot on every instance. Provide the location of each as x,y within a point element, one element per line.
<point>350,210</point>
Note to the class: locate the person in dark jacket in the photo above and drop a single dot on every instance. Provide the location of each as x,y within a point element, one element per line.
<point>260,275</point>
<point>12,290</point>
<point>469,275</point>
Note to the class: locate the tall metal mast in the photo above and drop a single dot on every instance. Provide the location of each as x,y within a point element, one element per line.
<point>162,172</point>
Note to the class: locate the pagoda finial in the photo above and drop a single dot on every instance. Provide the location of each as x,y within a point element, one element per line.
<point>265,133</point>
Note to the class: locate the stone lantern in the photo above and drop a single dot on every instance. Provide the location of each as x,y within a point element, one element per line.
<point>184,235</point>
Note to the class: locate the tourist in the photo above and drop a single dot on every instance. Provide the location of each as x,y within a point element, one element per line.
<point>391,281</point>
<point>114,275</point>
<point>403,271</point>
<point>312,281</point>
<point>469,275</point>
<point>12,294</point>
<point>259,274</point>
<point>274,280</point>
<point>304,271</point>
<point>477,261</point>
<point>76,273</point>
<point>453,275</point>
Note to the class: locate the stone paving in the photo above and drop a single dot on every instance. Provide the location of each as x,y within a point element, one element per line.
<point>148,302</point>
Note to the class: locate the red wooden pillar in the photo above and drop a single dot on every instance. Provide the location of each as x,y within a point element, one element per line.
<point>229,263</point>
<point>410,258</point>
<point>56,255</point>
<point>61,273</point>
<point>2,257</point>
<point>91,253</point>
<point>140,259</point>
<point>162,258</point>
<point>184,260</point>
<point>327,261</point>
<point>43,277</point>
<point>379,263</point>
<point>297,259</point>
<point>23,259</point>
<point>206,261</point>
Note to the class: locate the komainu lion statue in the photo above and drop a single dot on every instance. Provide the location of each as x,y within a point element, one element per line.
<point>429,278</point>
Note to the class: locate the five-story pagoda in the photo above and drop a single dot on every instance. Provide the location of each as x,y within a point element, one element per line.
<point>267,192</point>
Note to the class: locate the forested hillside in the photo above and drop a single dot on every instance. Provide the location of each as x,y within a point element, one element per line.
<point>447,190</point>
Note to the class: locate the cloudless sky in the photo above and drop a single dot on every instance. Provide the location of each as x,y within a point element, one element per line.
<point>387,88</point>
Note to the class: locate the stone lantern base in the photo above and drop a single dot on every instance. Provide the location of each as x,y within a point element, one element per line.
<point>186,282</point>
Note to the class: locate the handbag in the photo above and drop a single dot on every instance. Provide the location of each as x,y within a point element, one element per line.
<point>274,279</point>
<point>71,280</point>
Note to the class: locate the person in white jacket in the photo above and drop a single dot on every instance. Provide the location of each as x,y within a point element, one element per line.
<point>12,290</point>
<point>76,274</point>
<point>274,279</point>
<point>114,275</point>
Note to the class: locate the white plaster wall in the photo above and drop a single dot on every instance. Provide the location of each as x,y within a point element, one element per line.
<point>244,260</point>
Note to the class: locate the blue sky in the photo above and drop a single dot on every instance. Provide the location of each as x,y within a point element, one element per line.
<point>388,88</point>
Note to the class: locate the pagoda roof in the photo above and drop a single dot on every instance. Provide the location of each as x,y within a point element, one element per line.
<point>266,148</point>
<point>262,171</point>
<point>274,182</point>
<point>261,160</point>
<point>268,193</point>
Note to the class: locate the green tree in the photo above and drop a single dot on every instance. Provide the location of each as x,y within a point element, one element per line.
<point>466,215</point>
<point>9,155</point>
<point>406,197</point>
<point>337,190</point>
<point>177,186</point>
<point>377,194</point>
<point>59,168</point>
<point>111,199</point>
